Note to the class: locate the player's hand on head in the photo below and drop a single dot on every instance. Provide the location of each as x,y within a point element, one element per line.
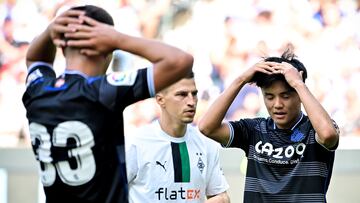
<point>261,66</point>
<point>291,74</point>
<point>60,26</point>
<point>92,37</point>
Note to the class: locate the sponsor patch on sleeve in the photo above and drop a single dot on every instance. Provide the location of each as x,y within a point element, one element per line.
<point>33,76</point>
<point>122,78</point>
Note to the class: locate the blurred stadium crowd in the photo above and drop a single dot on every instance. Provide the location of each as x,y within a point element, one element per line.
<point>225,37</point>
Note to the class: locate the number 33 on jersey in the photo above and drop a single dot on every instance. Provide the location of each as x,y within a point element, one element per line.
<point>71,142</point>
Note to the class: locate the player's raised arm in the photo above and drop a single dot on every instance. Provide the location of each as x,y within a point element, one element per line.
<point>43,47</point>
<point>212,124</point>
<point>170,63</point>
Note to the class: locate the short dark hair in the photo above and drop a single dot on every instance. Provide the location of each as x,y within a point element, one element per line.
<point>96,13</point>
<point>266,80</point>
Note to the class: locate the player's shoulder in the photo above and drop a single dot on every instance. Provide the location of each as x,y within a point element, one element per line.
<point>38,70</point>
<point>255,121</point>
<point>144,133</point>
<point>196,134</point>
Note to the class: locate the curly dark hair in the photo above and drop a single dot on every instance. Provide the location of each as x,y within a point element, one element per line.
<point>264,80</point>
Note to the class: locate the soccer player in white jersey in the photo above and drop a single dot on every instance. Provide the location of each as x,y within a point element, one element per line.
<point>290,155</point>
<point>169,160</point>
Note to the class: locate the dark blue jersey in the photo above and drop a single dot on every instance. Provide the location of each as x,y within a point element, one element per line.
<point>76,128</point>
<point>283,165</point>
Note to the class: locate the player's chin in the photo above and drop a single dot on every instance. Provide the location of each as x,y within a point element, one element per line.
<point>188,119</point>
<point>281,123</point>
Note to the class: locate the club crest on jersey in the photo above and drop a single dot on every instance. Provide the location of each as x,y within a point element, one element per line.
<point>122,78</point>
<point>297,136</point>
<point>200,163</point>
<point>59,83</point>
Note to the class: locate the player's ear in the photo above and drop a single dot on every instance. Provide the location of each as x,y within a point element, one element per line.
<point>159,97</point>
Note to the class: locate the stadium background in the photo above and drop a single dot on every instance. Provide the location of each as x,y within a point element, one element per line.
<point>225,37</point>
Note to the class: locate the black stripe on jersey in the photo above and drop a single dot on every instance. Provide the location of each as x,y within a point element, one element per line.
<point>273,198</point>
<point>177,162</point>
<point>287,185</point>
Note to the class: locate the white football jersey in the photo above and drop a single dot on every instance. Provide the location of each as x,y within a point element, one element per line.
<point>162,168</point>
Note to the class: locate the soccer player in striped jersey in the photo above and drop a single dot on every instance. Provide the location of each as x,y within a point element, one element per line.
<point>169,160</point>
<point>290,154</point>
<point>76,119</point>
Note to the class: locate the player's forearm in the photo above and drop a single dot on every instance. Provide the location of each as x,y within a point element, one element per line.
<point>170,63</point>
<point>214,116</point>
<point>41,49</point>
<point>152,50</point>
<point>319,118</point>
<point>220,198</point>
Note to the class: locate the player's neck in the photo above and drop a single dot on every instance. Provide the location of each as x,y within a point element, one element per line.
<point>85,65</point>
<point>172,128</point>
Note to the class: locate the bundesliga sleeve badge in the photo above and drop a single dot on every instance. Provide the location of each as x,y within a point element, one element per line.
<point>122,78</point>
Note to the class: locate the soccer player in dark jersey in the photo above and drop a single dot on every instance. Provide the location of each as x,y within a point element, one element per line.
<point>75,119</point>
<point>290,154</point>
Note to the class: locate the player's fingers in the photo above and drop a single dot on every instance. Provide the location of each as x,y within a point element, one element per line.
<point>88,20</point>
<point>79,43</point>
<point>68,20</point>
<point>59,42</point>
<point>265,67</point>
<point>271,63</point>
<point>89,52</point>
<point>72,13</point>
<point>278,67</point>
<point>78,35</point>
<point>63,29</point>
<point>80,27</point>
<point>287,65</point>
<point>279,70</point>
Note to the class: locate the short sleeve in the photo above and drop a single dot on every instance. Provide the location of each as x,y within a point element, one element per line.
<point>120,89</point>
<point>37,71</point>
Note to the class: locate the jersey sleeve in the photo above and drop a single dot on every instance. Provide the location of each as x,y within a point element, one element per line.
<point>38,71</point>
<point>216,182</point>
<point>120,89</point>
<point>241,133</point>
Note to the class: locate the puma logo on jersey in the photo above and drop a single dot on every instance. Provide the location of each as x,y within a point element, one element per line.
<point>162,165</point>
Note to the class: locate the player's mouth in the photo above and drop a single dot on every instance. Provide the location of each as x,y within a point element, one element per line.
<point>190,112</point>
<point>279,115</point>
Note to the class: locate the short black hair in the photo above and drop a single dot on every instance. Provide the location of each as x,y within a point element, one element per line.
<point>96,13</point>
<point>266,80</point>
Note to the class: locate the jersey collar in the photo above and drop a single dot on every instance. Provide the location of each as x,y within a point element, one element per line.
<point>295,125</point>
<point>169,137</point>
<point>75,72</point>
